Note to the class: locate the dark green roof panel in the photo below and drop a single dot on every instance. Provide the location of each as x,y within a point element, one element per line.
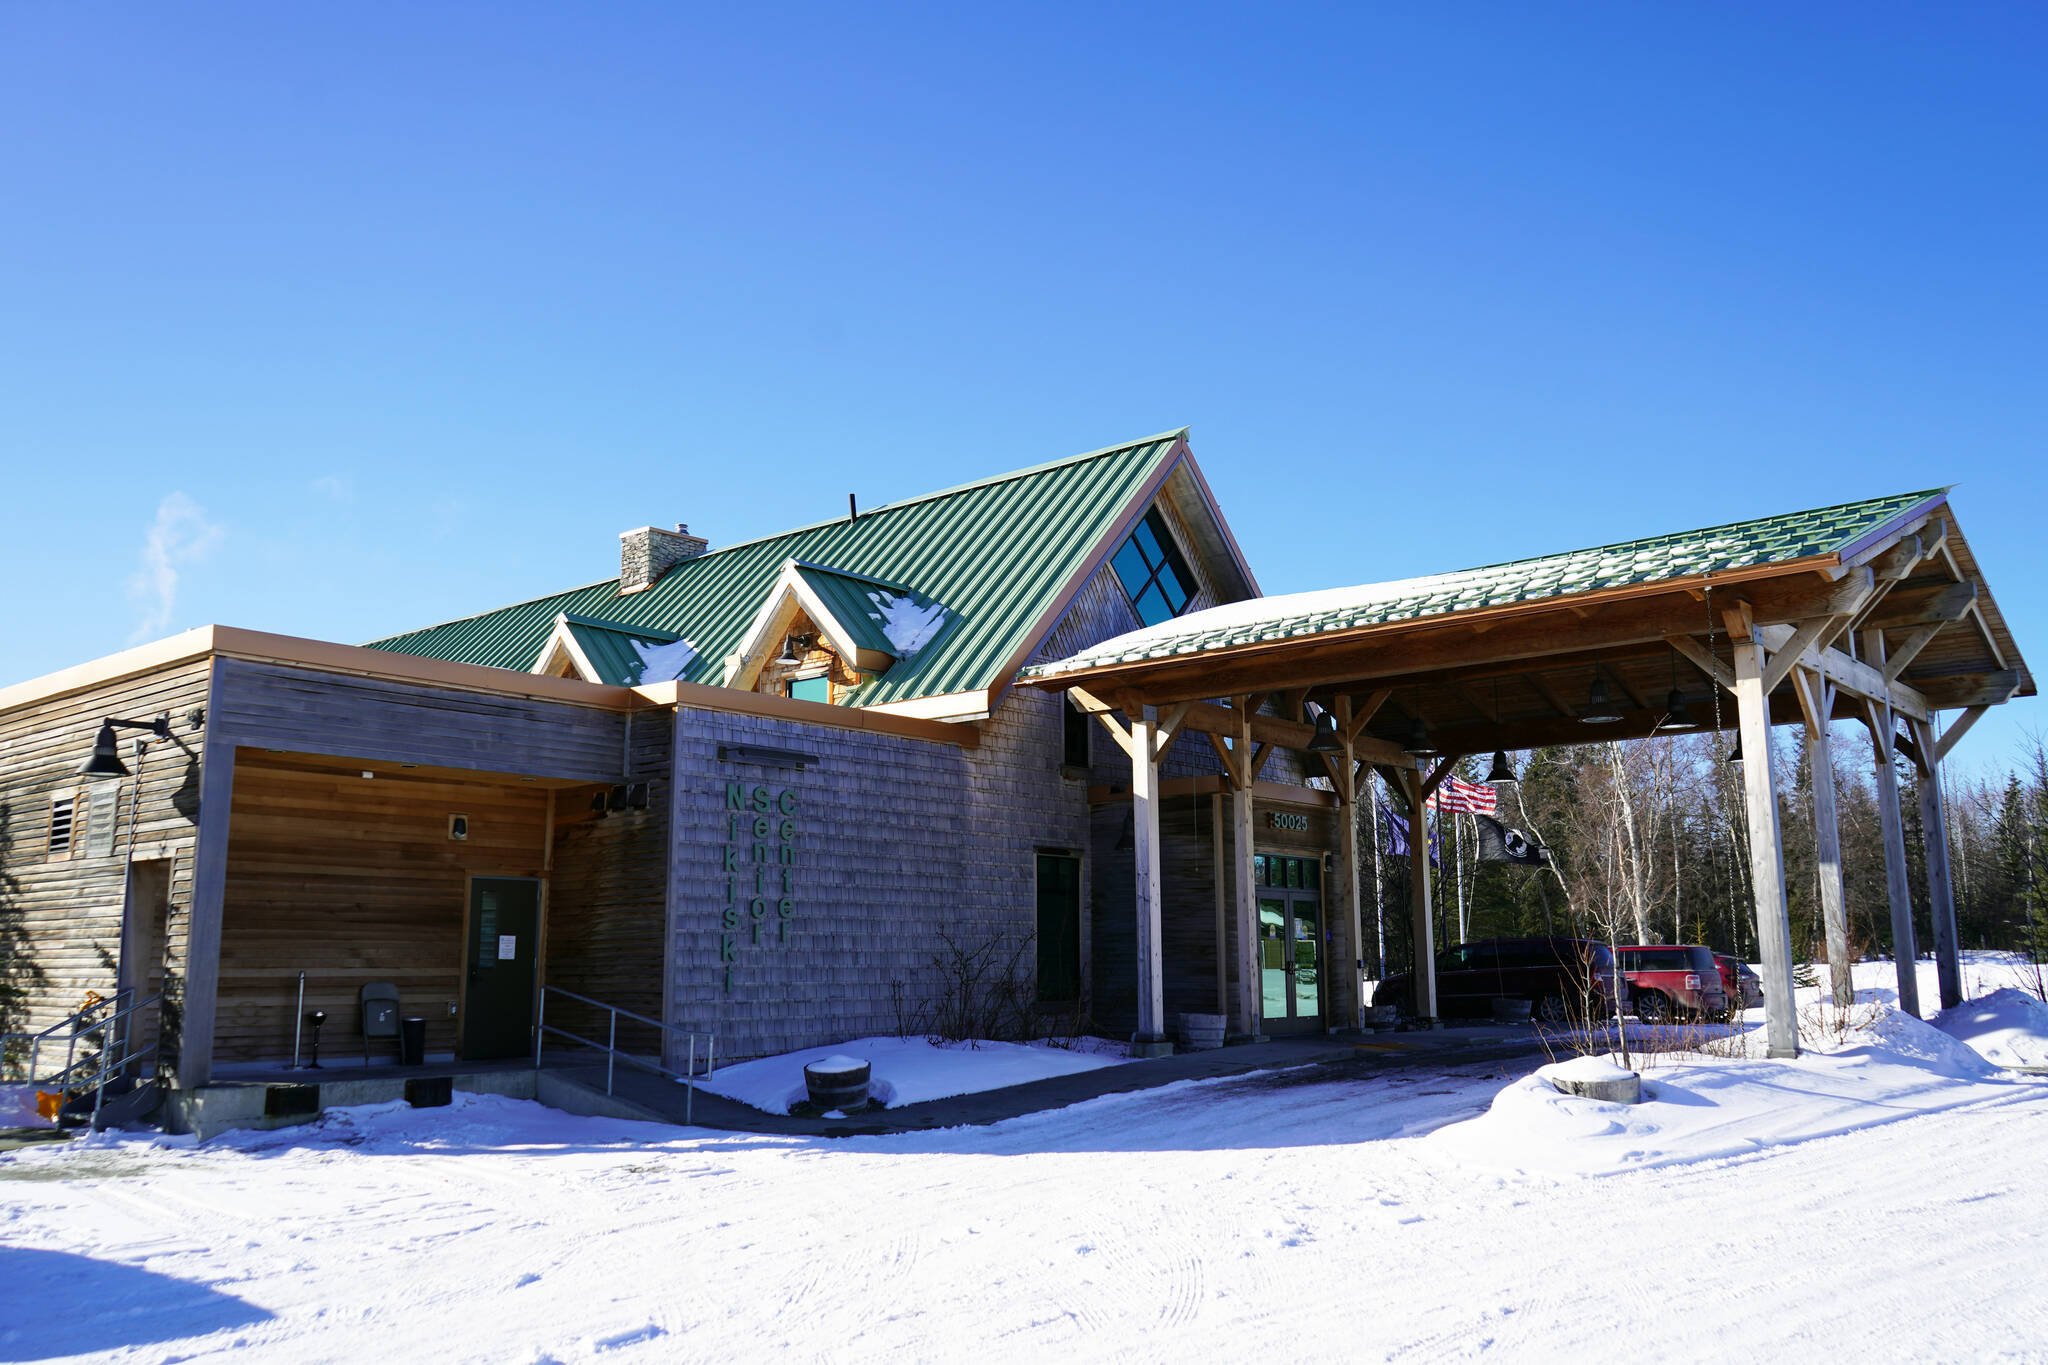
<point>994,553</point>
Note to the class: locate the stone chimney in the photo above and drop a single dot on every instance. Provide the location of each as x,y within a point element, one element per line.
<point>649,552</point>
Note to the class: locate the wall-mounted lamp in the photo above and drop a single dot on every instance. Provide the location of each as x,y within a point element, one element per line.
<point>106,748</point>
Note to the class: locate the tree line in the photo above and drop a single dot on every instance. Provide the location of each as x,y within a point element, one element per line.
<point>1649,843</point>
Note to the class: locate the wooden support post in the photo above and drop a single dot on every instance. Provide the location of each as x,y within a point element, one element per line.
<point>1424,975</point>
<point>1905,956</point>
<point>1348,1003</point>
<point>1766,851</point>
<point>203,916</point>
<point>1941,904</point>
<point>1145,852</point>
<point>1244,1021</point>
<point>1828,846</point>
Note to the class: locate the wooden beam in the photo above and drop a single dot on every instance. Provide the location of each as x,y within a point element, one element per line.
<point>1628,689</point>
<point>1941,903</point>
<point>1439,773</point>
<point>1465,694</point>
<point>1957,729</point>
<point>1828,847</point>
<point>1893,832</point>
<point>1909,649</point>
<point>1148,887</point>
<point>1224,720</point>
<point>1170,719</point>
<point>1422,921</point>
<point>1919,601</point>
<point>1258,763</point>
<point>1549,692</point>
<point>1785,656</point>
<point>1362,711</point>
<point>1851,675</point>
<point>1958,691</point>
<point>1702,659</point>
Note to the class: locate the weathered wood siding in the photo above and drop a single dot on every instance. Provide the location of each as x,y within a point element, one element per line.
<point>353,880</point>
<point>308,711</point>
<point>61,918</point>
<point>608,897</point>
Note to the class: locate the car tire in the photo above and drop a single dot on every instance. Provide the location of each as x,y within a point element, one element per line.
<point>1653,1008</point>
<point>1550,1009</point>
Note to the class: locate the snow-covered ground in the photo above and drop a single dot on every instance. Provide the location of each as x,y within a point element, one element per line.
<point>908,1070</point>
<point>1879,1199</point>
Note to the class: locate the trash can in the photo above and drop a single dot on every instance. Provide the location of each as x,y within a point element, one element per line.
<point>412,1043</point>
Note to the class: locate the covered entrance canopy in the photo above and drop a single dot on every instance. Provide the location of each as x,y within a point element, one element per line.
<point>1874,611</point>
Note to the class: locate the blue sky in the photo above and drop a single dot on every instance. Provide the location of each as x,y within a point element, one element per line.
<point>341,320</point>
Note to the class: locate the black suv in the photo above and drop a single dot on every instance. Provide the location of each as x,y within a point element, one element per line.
<point>1561,978</point>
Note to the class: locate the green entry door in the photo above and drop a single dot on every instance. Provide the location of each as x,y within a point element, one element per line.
<point>504,924</point>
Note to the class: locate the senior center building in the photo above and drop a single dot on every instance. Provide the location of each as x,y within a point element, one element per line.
<point>767,791</point>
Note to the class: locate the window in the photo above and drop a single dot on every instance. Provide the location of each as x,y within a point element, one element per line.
<point>1074,746</point>
<point>1059,928</point>
<point>1154,575</point>
<point>63,824</point>
<point>811,689</point>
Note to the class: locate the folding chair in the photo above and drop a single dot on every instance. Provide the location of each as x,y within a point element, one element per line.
<point>380,1014</point>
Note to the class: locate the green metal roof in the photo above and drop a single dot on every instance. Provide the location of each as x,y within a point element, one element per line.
<point>1716,549</point>
<point>995,552</point>
<point>862,606</point>
<point>611,647</point>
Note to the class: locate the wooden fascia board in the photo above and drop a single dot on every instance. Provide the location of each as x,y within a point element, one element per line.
<point>1105,545</point>
<point>952,707</point>
<point>1215,510</point>
<point>258,646</point>
<point>1876,541</point>
<point>732,701</point>
<point>1207,674</point>
<point>150,658</point>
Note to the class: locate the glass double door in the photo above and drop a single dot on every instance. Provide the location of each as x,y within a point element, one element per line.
<point>1290,944</point>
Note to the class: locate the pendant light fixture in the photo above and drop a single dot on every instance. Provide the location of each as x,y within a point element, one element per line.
<point>1735,754</point>
<point>1418,745</point>
<point>1600,708</point>
<point>1676,716</point>
<point>1500,774</point>
<point>1324,741</point>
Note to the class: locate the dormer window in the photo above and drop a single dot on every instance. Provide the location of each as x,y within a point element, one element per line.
<point>1153,574</point>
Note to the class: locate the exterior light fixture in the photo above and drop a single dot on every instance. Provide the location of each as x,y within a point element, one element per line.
<point>1324,741</point>
<point>106,748</point>
<point>1735,754</point>
<point>1600,708</point>
<point>1501,775</point>
<point>1418,744</point>
<point>1676,717</point>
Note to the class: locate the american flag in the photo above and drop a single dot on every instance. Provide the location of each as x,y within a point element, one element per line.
<point>1469,798</point>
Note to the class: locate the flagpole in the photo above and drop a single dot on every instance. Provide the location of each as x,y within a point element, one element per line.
<point>1458,842</point>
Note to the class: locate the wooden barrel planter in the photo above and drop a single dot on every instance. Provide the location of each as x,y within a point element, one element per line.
<point>1201,1032</point>
<point>839,1082</point>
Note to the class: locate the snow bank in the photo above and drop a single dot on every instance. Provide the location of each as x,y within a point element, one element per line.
<point>1714,1108</point>
<point>2008,1027</point>
<point>906,1070</point>
<point>18,1108</point>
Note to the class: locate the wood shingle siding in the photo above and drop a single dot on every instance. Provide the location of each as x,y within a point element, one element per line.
<point>60,919</point>
<point>301,710</point>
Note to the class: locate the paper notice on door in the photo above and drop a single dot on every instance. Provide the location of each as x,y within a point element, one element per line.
<point>508,945</point>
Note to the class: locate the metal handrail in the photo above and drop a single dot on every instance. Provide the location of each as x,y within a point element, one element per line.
<point>541,1028</point>
<point>114,1058</point>
<point>74,1026</point>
